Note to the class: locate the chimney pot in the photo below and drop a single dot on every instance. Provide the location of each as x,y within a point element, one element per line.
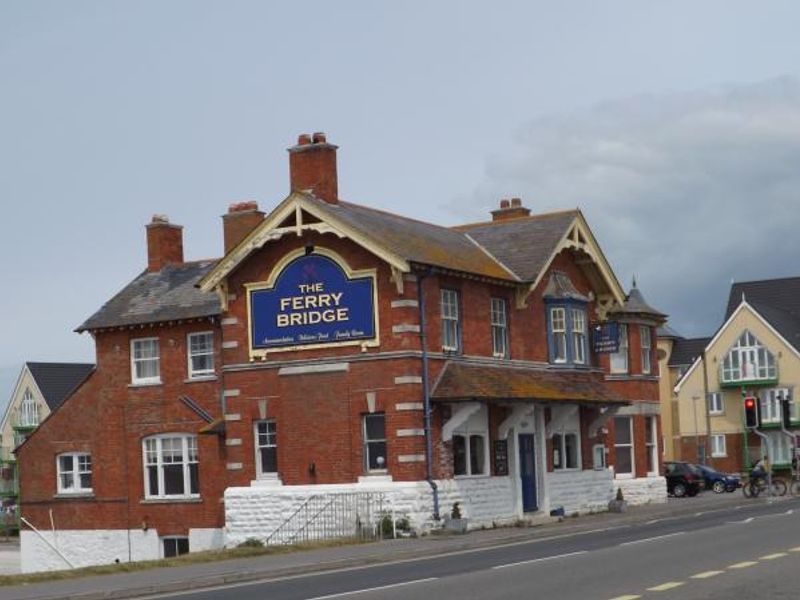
<point>303,139</point>
<point>516,202</point>
<point>243,206</point>
<point>504,203</point>
<point>319,138</point>
<point>510,209</point>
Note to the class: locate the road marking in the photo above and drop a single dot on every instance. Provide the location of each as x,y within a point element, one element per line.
<point>790,511</point>
<point>648,523</point>
<point>747,520</point>
<point>670,585</point>
<point>707,574</point>
<point>658,537</point>
<point>797,549</point>
<point>627,597</point>
<point>374,589</point>
<point>772,556</point>
<point>535,560</point>
<point>743,565</point>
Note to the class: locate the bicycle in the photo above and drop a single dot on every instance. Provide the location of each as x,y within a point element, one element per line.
<point>758,485</point>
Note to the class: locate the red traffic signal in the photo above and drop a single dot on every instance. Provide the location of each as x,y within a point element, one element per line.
<point>750,412</point>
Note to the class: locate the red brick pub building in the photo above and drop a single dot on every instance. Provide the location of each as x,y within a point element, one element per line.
<point>338,350</point>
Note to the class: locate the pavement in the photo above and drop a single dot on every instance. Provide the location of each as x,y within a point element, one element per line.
<point>201,575</point>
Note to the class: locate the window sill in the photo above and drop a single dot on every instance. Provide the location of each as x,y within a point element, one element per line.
<point>200,378</point>
<point>572,470</point>
<point>182,500</point>
<point>74,495</point>
<point>478,476</point>
<point>143,384</point>
<point>624,476</point>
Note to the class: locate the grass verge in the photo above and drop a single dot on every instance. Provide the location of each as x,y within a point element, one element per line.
<point>178,561</point>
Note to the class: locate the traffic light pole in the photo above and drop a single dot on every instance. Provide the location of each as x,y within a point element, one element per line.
<point>785,419</point>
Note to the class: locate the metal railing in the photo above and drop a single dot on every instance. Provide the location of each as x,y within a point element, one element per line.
<point>355,515</point>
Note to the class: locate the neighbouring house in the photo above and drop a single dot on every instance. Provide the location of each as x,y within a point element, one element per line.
<point>755,353</point>
<point>340,351</point>
<point>41,388</point>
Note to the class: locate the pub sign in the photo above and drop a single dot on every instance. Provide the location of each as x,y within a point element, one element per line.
<point>313,301</point>
<point>605,337</point>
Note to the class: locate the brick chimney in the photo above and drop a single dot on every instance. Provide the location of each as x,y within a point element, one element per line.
<point>312,166</point>
<point>164,243</point>
<point>241,219</point>
<point>510,209</point>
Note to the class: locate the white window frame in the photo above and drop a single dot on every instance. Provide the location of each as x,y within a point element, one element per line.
<point>558,330</point>
<point>476,426</point>
<point>499,321</point>
<point>748,360</point>
<point>135,379</point>
<point>74,474</point>
<point>716,403</point>
<point>599,457</point>
<point>718,445</point>
<point>630,445</point>
<point>451,320</point>
<point>260,472</point>
<point>651,447</point>
<point>618,361</point>
<point>28,410</point>
<point>190,354</point>
<point>781,448</point>
<point>367,441</point>
<point>578,336</point>
<point>645,335</point>
<point>188,444</point>
<point>560,451</point>
<point>770,408</point>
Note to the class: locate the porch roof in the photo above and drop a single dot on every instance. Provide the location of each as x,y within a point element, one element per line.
<point>464,381</point>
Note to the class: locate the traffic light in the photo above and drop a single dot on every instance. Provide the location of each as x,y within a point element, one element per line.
<point>786,411</point>
<point>750,412</point>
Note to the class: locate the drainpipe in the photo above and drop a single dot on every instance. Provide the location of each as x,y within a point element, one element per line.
<point>426,398</point>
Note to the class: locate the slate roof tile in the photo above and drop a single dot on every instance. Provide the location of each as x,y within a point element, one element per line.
<point>57,381</point>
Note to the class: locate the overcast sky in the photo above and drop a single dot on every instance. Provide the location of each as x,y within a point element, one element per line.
<point>675,126</point>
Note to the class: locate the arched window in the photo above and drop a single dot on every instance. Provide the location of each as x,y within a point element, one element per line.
<point>748,360</point>
<point>28,410</point>
<point>170,466</point>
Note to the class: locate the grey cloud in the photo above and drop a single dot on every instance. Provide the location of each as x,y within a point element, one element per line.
<point>687,191</point>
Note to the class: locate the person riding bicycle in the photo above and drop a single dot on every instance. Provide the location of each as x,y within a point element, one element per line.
<point>761,468</point>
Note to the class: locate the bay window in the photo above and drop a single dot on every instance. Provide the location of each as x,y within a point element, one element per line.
<point>646,343</point>
<point>567,334</point>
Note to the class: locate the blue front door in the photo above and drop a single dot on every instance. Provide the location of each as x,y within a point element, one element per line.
<point>527,472</point>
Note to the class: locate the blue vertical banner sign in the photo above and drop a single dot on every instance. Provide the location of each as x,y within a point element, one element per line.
<point>312,302</point>
<point>605,337</point>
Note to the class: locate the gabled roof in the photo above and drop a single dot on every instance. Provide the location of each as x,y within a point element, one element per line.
<point>776,300</point>
<point>166,295</point>
<point>417,241</point>
<point>56,381</point>
<point>524,244</point>
<point>462,381</point>
<point>686,350</point>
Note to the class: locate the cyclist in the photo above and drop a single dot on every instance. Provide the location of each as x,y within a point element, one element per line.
<point>761,469</point>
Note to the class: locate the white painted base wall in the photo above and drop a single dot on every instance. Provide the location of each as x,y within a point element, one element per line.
<point>255,512</point>
<point>84,548</point>
<point>580,492</point>
<point>643,490</point>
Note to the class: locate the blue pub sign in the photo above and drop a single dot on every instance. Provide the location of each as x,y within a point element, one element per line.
<point>605,337</point>
<point>312,302</point>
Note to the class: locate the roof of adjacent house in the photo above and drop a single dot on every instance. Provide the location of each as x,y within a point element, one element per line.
<point>686,350</point>
<point>158,296</point>
<point>464,381</point>
<point>776,300</point>
<point>57,381</point>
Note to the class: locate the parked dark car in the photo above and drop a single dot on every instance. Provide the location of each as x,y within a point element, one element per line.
<point>683,479</point>
<point>717,481</point>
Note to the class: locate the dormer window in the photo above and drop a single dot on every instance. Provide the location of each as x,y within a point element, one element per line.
<point>749,360</point>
